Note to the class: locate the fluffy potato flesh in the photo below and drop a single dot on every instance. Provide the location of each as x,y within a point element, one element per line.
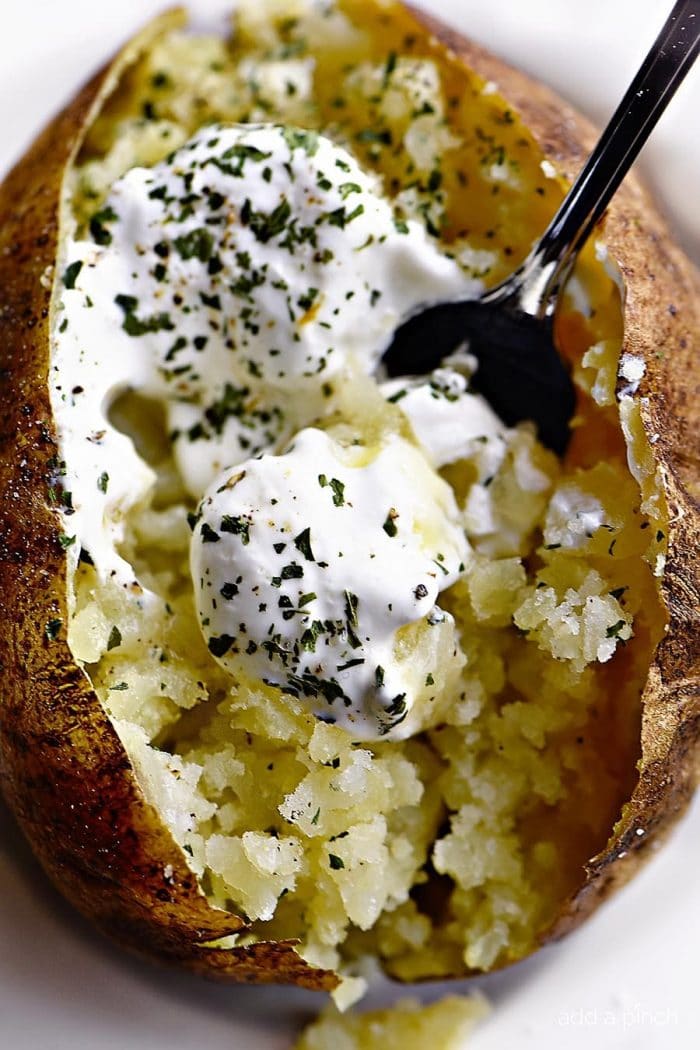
<point>456,850</point>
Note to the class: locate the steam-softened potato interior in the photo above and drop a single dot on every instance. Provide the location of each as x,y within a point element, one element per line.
<point>452,847</point>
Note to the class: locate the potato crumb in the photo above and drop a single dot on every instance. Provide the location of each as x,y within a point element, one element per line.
<point>408,1025</point>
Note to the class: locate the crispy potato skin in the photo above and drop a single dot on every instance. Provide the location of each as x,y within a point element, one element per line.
<point>63,770</point>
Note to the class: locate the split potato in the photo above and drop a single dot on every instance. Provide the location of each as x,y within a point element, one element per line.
<point>502,828</point>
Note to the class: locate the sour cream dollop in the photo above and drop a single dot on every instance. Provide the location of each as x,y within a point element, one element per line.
<point>307,565</point>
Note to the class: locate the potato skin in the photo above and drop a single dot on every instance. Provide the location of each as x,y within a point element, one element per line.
<point>62,767</point>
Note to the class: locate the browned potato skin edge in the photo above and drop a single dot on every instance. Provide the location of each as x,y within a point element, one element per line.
<point>63,770</point>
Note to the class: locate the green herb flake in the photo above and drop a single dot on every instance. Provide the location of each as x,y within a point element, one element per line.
<point>103,482</point>
<point>219,646</point>
<point>306,301</point>
<point>351,605</point>
<point>137,326</point>
<point>71,274</point>
<point>115,638</point>
<point>335,862</point>
<point>208,534</point>
<point>302,542</point>
<point>346,188</point>
<point>308,638</point>
<point>237,526</point>
<point>350,663</point>
<point>266,226</point>
<point>389,525</point>
<point>297,138</point>
<point>98,229</point>
<point>197,244</point>
<point>614,631</point>
<point>338,488</point>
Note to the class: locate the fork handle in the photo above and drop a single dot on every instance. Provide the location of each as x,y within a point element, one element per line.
<point>549,264</point>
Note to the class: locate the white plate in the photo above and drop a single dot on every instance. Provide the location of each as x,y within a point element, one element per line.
<point>628,979</point>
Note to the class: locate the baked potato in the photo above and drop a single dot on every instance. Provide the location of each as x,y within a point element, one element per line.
<point>591,762</point>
